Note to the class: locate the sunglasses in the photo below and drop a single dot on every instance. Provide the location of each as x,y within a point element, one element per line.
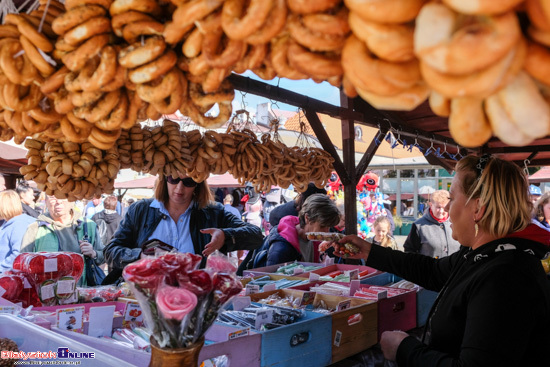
<point>187,182</point>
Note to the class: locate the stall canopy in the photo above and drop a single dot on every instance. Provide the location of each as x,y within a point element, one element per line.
<point>225,180</point>
<point>542,175</point>
<point>11,158</point>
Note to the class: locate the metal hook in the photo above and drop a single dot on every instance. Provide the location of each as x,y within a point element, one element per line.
<point>526,162</point>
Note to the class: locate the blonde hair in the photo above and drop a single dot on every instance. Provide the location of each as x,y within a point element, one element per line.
<point>202,194</point>
<point>542,201</point>
<point>386,241</point>
<point>501,188</point>
<point>440,196</point>
<point>11,205</point>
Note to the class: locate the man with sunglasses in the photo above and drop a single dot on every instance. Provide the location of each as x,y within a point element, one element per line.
<point>184,215</point>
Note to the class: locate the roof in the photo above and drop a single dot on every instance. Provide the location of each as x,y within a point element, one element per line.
<point>12,158</point>
<point>542,175</point>
<point>225,180</point>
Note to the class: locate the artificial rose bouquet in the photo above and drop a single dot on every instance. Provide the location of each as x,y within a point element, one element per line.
<point>179,301</point>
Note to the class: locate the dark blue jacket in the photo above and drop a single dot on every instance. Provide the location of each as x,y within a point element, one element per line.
<point>141,220</point>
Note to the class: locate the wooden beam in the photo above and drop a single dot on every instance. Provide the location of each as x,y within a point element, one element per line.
<point>348,145</point>
<point>370,152</point>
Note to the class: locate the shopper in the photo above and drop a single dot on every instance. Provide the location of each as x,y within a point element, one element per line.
<point>13,229</point>
<point>183,215</point>
<point>493,307</point>
<point>108,219</point>
<point>228,206</point>
<point>431,234</point>
<point>94,206</point>
<point>293,207</point>
<point>60,230</point>
<point>542,211</point>
<point>535,193</point>
<point>26,195</point>
<point>288,241</point>
<point>381,233</point>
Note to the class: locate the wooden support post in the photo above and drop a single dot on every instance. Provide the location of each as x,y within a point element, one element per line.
<point>348,147</point>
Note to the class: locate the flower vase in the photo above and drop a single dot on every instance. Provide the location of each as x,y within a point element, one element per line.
<point>185,357</point>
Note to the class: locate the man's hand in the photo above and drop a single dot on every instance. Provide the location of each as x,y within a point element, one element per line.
<point>87,249</point>
<point>217,241</point>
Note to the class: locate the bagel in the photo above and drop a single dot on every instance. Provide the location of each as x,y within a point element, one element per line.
<point>141,53</point>
<point>252,59</point>
<point>75,16</point>
<point>458,45</point>
<point>35,57</point>
<point>405,100</point>
<point>467,122</point>
<point>238,27</point>
<point>116,117</point>
<point>101,109</point>
<point>86,30</point>
<point>535,62</point>
<point>185,16</point>
<point>119,21</point>
<point>133,31</point>
<point>311,6</point>
<point>387,11</point>
<point>375,75</point>
<point>439,104</point>
<point>25,28</point>
<point>103,74</point>
<point>193,44</point>
<point>154,69</point>
<point>74,133</point>
<point>75,60</point>
<point>279,59</point>
<point>391,42</point>
<point>314,41</point>
<point>22,98</point>
<point>70,4</point>
<point>143,6</point>
<point>482,6</point>
<point>159,88</point>
<point>316,65</point>
<point>272,26</point>
<point>211,44</point>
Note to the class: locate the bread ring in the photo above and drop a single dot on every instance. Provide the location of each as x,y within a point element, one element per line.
<point>198,65</point>
<point>117,115</point>
<point>62,101</point>
<point>45,112</point>
<point>316,65</point>
<point>334,24</point>
<point>31,125</point>
<point>74,133</point>
<point>439,104</point>
<point>208,122</point>
<point>14,121</point>
<point>185,16</point>
<point>119,21</point>
<point>104,72</point>
<point>78,123</point>
<point>272,26</point>
<point>501,124</point>
<point>9,31</point>
<point>482,6</point>
<point>88,29</point>
<point>61,45</point>
<point>266,70</point>
<point>135,103</point>
<point>406,100</point>
<point>230,55</point>
<point>535,61</point>
<point>154,69</point>
<point>51,10</point>
<point>479,84</point>
<point>99,111</point>
<point>170,105</point>
<point>390,11</point>
<point>253,58</point>
<point>26,29</point>
<point>451,44</point>
<point>118,81</point>
<point>193,44</point>
<point>144,6</point>
<point>160,88</point>
<point>35,57</point>
<point>48,18</point>
<point>141,53</point>
<point>75,16</point>
<point>84,98</point>
<point>132,32</point>
<point>311,6</point>
<point>314,41</point>
<point>279,59</point>
<point>238,27</point>
<point>76,59</point>
<point>12,67</point>
<point>152,113</point>
<point>214,78</point>
<point>539,14</point>
<point>69,4</point>
<point>103,139</point>
<point>391,42</point>
<point>24,101</point>
<point>35,22</point>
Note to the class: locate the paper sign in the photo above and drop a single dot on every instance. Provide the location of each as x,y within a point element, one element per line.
<point>101,321</point>
<point>337,338</point>
<point>50,265</point>
<point>132,314</point>
<point>263,316</point>
<point>344,305</point>
<point>71,319</point>
<point>251,289</point>
<point>65,286</point>
<point>47,291</point>
<point>269,287</point>
<point>353,287</point>
<point>328,261</point>
<point>7,309</point>
<point>240,303</point>
<point>238,334</point>
<point>313,277</point>
<point>353,274</point>
<point>307,298</point>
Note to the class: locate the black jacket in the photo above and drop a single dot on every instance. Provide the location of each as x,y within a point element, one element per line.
<point>493,308</point>
<point>281,211</point>
<point>141,220</point>
<point>30,211</point>
<point>107,224</point>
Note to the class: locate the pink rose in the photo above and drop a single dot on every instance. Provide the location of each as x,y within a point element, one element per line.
<point>175,303</point>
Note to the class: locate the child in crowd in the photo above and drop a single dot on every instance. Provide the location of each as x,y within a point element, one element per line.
<point>381,234</point>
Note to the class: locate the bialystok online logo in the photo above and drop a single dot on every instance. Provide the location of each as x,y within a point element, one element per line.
<point>62,353</point>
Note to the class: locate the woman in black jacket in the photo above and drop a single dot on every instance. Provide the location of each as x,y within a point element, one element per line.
<point>493,307</point>
<point>183,215</point>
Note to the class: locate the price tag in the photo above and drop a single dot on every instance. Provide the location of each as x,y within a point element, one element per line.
<point>50,265</point>
<point>263,316</point>
<point>353,287</point>
<point>65,286</point>
<point>7,309</point>
<point>241,302</point>
<point>307,298</point>
<point>251,289</point>
<point>132,314</point>
<point>344,305</point>
<point>314,277</point>
<point>238,334</point>
<point>269,287</point>
<point>71,319</point>
<point>47,292</point>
